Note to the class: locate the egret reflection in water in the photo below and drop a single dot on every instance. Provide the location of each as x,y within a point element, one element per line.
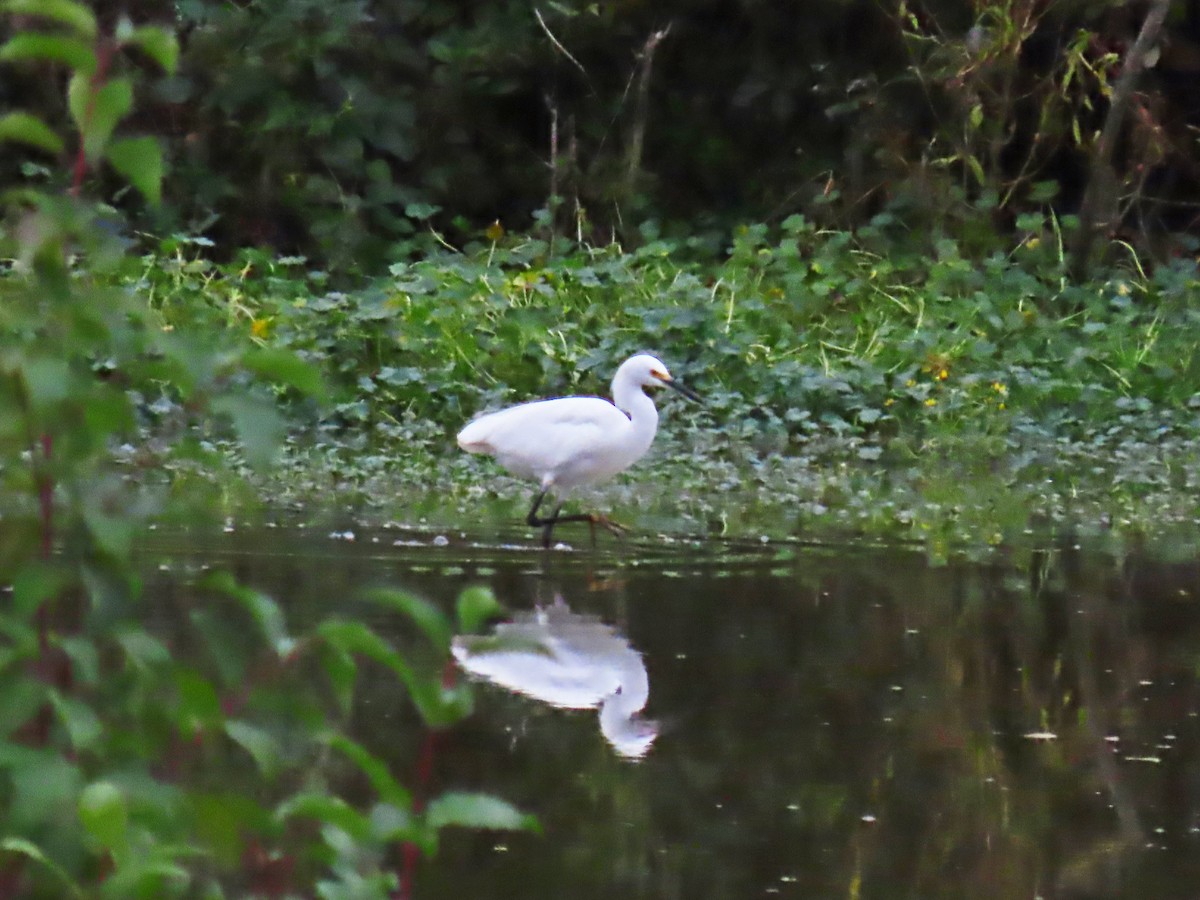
<point>571,661</point>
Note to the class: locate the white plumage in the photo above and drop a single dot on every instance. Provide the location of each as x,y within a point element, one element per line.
<point>574,441</point>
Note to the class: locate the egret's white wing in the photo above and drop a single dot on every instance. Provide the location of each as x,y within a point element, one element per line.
<point>544,439</point>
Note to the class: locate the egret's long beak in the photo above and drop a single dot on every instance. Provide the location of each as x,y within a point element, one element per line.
<point>676,386</point>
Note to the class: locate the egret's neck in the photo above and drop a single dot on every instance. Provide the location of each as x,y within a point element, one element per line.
<point>620,723</point>
<point>643,419</point>
<point>632,400</point>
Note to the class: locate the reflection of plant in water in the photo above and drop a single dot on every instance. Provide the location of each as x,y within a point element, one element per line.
<point>133,759</point>
<point>1017,721</point>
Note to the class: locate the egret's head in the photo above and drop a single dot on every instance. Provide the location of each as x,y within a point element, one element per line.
<point>650,371</point>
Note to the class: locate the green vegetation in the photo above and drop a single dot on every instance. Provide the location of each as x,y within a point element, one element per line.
<point>211,756</point>
<point>850,383</point>
<point>339,128</point>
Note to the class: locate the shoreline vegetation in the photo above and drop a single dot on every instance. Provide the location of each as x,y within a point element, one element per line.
<point>852,386</point>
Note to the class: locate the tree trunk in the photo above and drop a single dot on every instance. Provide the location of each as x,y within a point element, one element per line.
<point>1099,208</point>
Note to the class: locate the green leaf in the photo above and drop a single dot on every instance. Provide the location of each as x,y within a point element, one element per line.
<point>36,583</point>
<point>438,705</point>
<point>48,381</point>
<point>148,878</point>
<point>199,707</point>
<point>1043,191</point>
<point>104,812</point>
<point>259,743</point>
<point>976,169</point>
<point>140,161</point>
<point>34,852</point>
<point>388,788</point>
<point>869,415</point>
<point>478,811</point>
<point>287,368</point>
<point>143,650</point>
<point>157,43</point>
<point>475,607</point>
<point>257,424</point>
<point>27,129</point>
<point>426,616</point>
<point>356,637</point>
<point>97,110</point>
<point>327,810</point>
<point>85,659</point>
<point>390,824</point>
<point>45,786</point>
<point>21,698</point>
<point>265,611</point>
<point>73,15</point>
<point>80,721</point>
<point>342,671</point>
<point>40,47</point>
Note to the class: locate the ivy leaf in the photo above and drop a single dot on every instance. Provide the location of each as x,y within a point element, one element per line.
<point>39,47</point>
<point>31,130</point>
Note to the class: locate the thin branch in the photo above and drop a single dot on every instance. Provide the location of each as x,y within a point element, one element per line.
<point>637,137</point>
<point>558,44</point>
<point>552,202</point>
<point>1098,204</point>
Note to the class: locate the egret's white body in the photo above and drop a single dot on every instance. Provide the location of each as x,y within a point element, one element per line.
<point>570,442</point>
<point>570,661</point>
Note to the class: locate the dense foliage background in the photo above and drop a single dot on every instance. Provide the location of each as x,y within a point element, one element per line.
<point>339,128</point>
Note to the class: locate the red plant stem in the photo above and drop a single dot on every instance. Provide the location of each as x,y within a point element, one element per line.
<point>412,853</point>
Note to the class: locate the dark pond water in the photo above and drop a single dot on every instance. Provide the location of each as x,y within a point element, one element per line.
<point>819,721</point>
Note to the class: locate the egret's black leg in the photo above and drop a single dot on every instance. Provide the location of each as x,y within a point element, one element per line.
<point>547,524</point>
<point>548,528</point>
<point>532,520</point>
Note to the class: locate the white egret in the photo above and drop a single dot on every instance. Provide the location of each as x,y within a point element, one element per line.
<point>570,442</point>
<point>571,661</point>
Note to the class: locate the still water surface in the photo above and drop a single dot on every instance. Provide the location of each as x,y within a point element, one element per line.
<point>819,721</point>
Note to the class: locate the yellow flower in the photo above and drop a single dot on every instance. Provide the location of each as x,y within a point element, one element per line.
<point>930,402</point>
<point>999,388</point>
<point>943,375</point>
<point>1033,242</point>
<point>889,401</point>
<point>259,328</point>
